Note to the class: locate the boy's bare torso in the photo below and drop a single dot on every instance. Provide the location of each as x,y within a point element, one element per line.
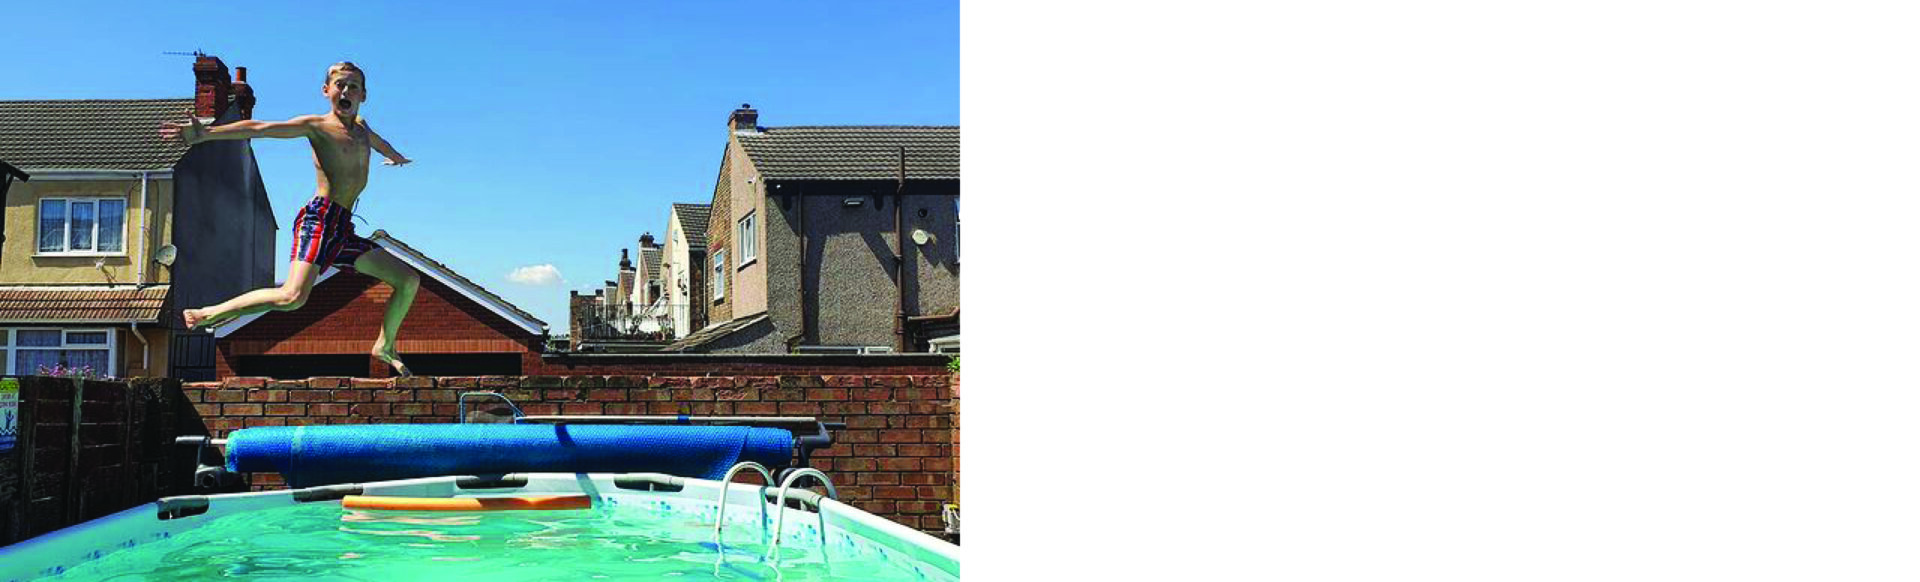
<point>341,154</point>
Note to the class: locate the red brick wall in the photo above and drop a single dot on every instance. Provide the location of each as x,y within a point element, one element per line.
<point>720,238</point>
<point>895,458</point>
<point>955,391</point>
<point>344,315</point>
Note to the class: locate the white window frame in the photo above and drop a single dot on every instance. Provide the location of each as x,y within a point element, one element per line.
<point>66,234</point>
<point>747,238</point>
<point>112,348</point>
<point>719,274</point>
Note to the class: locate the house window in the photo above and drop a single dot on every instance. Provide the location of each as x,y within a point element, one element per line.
<point>82,226</point>
<point>719,274</point>
<point>747,240</point>
<point>29,350</point>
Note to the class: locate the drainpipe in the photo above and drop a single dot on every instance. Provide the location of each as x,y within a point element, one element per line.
<point>140,261</point>
<point>900,260</point>
<point>145,348</point>
<point>800,199</point>
<point>146,231</point>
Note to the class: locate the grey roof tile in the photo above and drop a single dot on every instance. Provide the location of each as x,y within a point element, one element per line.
<point>854,152</point>
<point>108,134</point>
<point>650,257</point>
<point>693,217</point>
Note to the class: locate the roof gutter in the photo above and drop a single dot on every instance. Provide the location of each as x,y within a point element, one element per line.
<point>51,174</point>
<point>156,319</point>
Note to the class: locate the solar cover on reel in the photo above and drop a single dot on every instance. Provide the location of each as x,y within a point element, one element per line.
<point>323,455</point>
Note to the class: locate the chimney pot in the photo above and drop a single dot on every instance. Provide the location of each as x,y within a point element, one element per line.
<point>744,119</point>
<point>242,94</point>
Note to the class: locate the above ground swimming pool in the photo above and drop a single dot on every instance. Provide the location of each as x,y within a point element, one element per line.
<point>641,526</point>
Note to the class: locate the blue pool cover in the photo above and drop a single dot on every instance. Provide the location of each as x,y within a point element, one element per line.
<point>324,455</point>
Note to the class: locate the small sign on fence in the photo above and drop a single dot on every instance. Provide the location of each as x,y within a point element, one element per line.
<point>9,412</point>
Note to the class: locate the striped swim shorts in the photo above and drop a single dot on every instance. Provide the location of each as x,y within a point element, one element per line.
<point>323,235</point>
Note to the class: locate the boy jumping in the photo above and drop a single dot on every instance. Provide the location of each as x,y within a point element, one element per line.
<point>323,230</point>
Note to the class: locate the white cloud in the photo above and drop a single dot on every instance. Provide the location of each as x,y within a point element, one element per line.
<point>539,275</point>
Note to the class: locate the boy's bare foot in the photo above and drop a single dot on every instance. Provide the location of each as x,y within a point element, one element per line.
<point>198,320</point>
<point>393,359</point>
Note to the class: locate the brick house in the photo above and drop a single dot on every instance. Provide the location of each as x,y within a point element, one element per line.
<point>455,327</point>
<point>118,228</point>
<point>831,239</point>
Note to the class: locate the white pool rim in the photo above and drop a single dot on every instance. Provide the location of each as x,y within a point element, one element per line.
<point>748,506</point>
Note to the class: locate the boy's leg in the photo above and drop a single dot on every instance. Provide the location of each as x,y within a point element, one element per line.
<point>382,265</point>
<point>289,295</point>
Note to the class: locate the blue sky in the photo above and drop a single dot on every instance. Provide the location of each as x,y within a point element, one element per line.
<point>543,134</point>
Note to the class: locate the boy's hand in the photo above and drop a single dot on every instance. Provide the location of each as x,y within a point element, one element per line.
<point>394,162</point>
<point>191,132</point>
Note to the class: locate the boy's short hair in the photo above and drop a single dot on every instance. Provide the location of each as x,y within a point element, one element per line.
<point>344,66</point>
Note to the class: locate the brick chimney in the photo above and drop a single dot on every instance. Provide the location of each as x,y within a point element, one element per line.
<point>211,86</point>
<point>646,240</point>
<point>744,119</point>
<point>242,94</point>
<point>625,289</point>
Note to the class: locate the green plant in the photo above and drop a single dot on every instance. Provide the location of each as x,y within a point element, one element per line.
<point>953,364</point>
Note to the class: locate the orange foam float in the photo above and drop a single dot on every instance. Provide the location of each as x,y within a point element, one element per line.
<point>522,502</point>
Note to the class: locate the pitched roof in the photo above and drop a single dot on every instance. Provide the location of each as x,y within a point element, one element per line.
<point>452,279</point>
<point>430,268</point>
<point>693,218</point>
<point>650,258</point>
<point>102,134</point>
<point>82,304</point>
<point>854,152</point>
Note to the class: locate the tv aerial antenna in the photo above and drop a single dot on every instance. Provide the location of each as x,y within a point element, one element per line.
<point>195,53</point>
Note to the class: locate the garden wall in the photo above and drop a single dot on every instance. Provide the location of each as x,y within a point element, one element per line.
<point>75,459</point>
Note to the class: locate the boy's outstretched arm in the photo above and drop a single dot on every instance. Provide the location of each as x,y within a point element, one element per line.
<point>394,158</point>
<point>193,132</point>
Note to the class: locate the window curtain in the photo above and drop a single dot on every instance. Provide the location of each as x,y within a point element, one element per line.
<point>113,218</point>
<point>80,237</point>
<point>97,359</point>
<point>28,362</point>
<point>53,225</point>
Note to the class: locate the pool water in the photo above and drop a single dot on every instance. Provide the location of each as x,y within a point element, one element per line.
<point>323,541</point>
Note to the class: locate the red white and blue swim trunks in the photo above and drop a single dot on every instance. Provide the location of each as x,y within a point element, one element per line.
<point>323,235</point>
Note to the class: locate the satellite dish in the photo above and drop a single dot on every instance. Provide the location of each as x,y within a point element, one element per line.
<point>921,237</point>
<point>166,255</point>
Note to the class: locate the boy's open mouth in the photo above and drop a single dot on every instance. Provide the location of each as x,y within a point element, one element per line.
<point>344,104</point>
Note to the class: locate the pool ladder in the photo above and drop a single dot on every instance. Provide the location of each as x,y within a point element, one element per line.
<point>780,503</point>
<point>773,549</point>
<point>720,518</point>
